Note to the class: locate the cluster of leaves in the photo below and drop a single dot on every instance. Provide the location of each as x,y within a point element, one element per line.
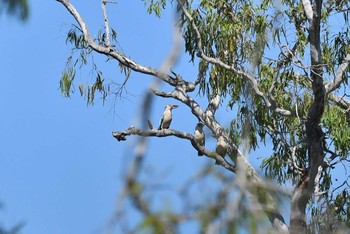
<point>285,133</point>
<point>336,39</point>
<point>332,215</point>
<point>80,56</point>
<point>155,7</point>
<point>337,125</point>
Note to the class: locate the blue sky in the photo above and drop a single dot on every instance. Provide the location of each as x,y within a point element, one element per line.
<point>61,169</point>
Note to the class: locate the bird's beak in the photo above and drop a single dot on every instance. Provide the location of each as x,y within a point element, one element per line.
<point>174,106</point>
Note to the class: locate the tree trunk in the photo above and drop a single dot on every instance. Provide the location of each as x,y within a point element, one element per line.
<point>314,133</point>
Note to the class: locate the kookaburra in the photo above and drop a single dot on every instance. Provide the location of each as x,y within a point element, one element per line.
<point>199,136</point>
<point>221,147</point>
<point>165,121</point>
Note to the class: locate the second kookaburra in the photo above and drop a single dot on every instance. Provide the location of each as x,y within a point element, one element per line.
<point>221,147</point>
<point>165,121</point>
<point>199,136</point>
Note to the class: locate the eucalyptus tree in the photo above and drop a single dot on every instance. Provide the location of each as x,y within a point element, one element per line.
<point>283,66</point>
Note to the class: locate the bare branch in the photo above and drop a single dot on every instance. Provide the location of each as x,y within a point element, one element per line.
<point>338,76</point>
<point>213,105</point>
<point>317,180</point>
<point>294,164</point>
<point>161,93</point>
<point>340,101</point>
<point>308,9</point>
<point>121,136</point>
<point>103,3</point>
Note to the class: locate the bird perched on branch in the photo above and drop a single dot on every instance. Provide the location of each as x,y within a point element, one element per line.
<point>165,121</point>
<point>221,147</point>
<point>199,136</point>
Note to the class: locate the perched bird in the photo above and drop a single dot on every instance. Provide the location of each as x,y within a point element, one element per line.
<point>165,121</point>
<point>199,136</point>
<point>221,147</point>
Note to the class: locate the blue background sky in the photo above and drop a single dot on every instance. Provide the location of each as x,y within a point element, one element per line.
<point>60,167</point>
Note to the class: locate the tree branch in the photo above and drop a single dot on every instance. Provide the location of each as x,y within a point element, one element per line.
<point>213,105</point>
<point>338,76</point>
<point>121,136</point>
<point>161,93</point>
<point>114,53</point>
<point>340,101</point>
<point>308,9</point>
<point>103,3</point>
<point>314,133</point>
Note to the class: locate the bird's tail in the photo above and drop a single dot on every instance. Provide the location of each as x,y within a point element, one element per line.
<point>150,125</point>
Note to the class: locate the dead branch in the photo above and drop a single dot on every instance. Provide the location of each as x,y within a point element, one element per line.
<point>121,136</point>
